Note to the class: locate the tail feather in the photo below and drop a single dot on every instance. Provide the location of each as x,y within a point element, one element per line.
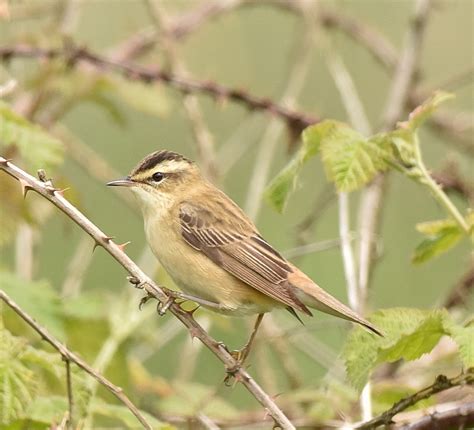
<point>315,297</point>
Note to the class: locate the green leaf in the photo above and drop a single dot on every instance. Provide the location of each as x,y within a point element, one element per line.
<point>280,188</point>
<point>37,147</point>
<point>464,337</point>
<point>421,113</point>
<point>350,160</point>
<point>408,334</point>
<point>38,299</point>
<point>48,409</point>
<point>442,236</point>
<point>18,383</point>
<point>123,414</point>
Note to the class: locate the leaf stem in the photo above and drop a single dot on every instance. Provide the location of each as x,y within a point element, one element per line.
<point>437,191</point>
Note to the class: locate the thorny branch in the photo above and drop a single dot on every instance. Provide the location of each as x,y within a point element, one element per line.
<point>295,120</point>
<point>67,355</point>
<point>55,196</point>
<point>441,383</point>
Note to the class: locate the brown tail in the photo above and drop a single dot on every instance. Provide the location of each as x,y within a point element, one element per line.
<point>315,297</point>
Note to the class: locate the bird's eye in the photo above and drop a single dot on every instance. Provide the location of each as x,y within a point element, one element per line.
<point>158,176</point>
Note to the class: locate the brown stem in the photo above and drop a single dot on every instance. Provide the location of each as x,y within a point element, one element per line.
<point>55,197</point>
<point>441,383</point>
<point>295,120</point>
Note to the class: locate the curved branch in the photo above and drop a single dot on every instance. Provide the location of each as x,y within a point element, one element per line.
<point>46,190</point>
<point>296,121</point>
<point>442,383</point>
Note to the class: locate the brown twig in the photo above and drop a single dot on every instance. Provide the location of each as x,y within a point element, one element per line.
<point>70,398</point>
<point>441,383</point>
<point>55,197</point>
<point>460,417</point>
<point>295,120</point>
<point>68,355</point>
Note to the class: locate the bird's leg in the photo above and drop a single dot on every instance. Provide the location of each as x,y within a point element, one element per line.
<point>242,354</point>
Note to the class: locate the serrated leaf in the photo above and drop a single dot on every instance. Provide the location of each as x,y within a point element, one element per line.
<point>421,113</point>
<point>280,188</point>
<point>409,333</point>
<point>47,409</point>
<point>464,337</point>
<point>437,244</point>
<point>350,160</point>
<point>37,147</point>
<point>432,228</point>
<point>38,299</point>
<point>18,383</point>
<point>123,414</point>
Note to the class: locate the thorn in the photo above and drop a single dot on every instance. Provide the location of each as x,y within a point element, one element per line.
<point>96,244</point>
<point>123,245</point>
<point>24,187</point>
<point>193,332</point>
<point>61,192</point>
<point>134,280</point>
<point>5,161</point>
<point>107,239</point>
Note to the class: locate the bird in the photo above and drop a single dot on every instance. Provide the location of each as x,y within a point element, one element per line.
<point>213,251</point>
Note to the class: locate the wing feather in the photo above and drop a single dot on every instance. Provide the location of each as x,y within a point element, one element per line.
<point>236,246</point>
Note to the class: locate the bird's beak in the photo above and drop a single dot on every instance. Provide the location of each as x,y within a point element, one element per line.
<point>124,182</point>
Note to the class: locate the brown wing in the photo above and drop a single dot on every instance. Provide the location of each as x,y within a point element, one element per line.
<point>236,246</point>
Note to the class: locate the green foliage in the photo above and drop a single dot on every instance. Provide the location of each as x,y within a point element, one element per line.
<point>425,110</point>
<point>350,159</point>
<point>38,299</point>
<point>284,183</point>
<point>18,382</point>
<point>408,334</point>
<point>36,147</point>
<point>442,235</point>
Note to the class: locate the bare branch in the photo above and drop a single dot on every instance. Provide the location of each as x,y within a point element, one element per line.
<point>459,417</point>
<point>47,191</point>
<point>68,355</point>
<point>295,120</point>
<point>441,383</point>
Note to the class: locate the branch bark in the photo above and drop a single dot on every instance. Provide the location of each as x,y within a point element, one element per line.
<point>441,383</point>
<point>46,190</point>
<point>295,120</point>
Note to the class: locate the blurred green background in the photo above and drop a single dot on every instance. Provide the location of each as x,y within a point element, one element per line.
<point>255,48</point>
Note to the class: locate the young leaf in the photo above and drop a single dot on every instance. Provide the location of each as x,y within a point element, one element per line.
<point>464,337</point>
<point>350,160</point>
<point>37,147</point>
<point>409,333</point>
<point>442,236</point>
<point>18,383</point>
<point>280,188</point>
<point>421,113</point>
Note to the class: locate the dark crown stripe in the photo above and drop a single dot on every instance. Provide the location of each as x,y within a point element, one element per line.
<point>158,157</point>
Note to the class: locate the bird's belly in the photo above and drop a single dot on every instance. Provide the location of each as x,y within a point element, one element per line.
<point>195,274</point>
